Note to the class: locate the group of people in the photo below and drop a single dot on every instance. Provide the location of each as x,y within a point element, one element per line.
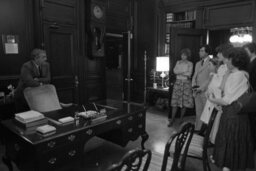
<point>216,83</point>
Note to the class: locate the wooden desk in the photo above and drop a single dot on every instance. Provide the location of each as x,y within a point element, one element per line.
<point>31,152</point>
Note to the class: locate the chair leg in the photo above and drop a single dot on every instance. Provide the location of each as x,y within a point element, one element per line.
<point>208,165</point>
<point>7,162</point>
<point>205,165</point>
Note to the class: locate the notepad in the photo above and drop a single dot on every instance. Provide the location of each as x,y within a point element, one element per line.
<point>66,120</point>
<point>46,129</point>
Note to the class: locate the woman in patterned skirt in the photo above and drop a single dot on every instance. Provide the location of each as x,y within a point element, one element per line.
<point>233,144</point>
<point>182,90</point>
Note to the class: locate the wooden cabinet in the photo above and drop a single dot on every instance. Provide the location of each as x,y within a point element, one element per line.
<point>230,15</point>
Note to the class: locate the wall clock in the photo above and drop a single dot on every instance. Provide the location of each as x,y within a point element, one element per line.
<point>97,28</point>
<point>98,12</point>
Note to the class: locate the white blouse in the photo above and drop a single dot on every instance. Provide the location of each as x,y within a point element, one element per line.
<point>236,85</point>
<point>183,69</point>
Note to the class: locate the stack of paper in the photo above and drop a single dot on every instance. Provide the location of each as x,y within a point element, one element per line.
<point>29,116</point>
<point>30,119</point>
<point>66,120</point>
<point>46,130</point>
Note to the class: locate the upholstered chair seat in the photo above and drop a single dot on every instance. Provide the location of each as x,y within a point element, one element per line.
<point>43,98</point>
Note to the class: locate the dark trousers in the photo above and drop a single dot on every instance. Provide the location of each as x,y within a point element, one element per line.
<point>252,118</point>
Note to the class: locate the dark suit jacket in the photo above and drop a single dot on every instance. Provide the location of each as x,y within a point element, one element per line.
<point>252,74</point>
<point>29,72</point>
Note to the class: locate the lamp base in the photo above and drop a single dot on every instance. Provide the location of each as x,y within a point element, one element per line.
<point>162,75</point>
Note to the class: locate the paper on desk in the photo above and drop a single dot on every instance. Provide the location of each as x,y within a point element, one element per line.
<point>45,129</point>
<point>66,119</point>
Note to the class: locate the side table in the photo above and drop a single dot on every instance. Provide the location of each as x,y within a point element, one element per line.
<point>153,94</point>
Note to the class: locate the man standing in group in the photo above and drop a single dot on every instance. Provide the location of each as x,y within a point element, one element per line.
<point>33,73</point>
<point>251,51</point>
<point>200,81</point>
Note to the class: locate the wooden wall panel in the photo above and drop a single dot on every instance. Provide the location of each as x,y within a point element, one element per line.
<point>228,16</point>
<point>117,15</point>
<point>144,41</point>
<point>66,13</point>
<point>15,18</point>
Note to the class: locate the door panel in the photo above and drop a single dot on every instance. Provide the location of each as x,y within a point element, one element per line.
<point>60,47</point>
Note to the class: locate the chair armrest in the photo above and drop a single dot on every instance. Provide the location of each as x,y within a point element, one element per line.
<point>63,105</point>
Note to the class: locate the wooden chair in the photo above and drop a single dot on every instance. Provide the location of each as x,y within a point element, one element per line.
<point>199,145</point>
<point>177,146</point>
<point>132,161</point>
<point>43,98</point>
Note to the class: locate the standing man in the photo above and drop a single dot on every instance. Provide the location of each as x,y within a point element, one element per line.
<point>33,73</point>
<point>200,81</point>
<point>250,48</point>
<point>251,51</point>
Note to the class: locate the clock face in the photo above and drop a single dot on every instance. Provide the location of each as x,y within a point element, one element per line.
<point>97,12</point>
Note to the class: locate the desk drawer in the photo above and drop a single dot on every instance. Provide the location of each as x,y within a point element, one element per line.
<point>56,143</point>
<point>59,157</point>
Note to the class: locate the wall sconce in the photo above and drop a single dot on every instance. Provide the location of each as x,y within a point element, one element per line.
<point>241,36</point>
<point>162,65</point>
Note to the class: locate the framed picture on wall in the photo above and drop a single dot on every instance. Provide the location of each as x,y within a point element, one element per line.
<point>10,43</point>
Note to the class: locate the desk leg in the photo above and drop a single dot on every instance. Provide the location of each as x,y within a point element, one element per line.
<point>7,162</point>
<point>144,137</point>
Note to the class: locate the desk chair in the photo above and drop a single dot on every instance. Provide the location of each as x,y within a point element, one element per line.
<point>199,145</point>
<point>132,161</point>
<point>43,98</point>
<point>177,147</point>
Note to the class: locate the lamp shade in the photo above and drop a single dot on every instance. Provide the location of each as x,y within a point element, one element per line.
<point>162,63</point>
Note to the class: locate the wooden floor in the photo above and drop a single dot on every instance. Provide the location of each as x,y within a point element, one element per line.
<point>101,154</point>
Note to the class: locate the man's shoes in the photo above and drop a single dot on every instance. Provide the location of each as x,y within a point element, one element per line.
<point>211,159</point>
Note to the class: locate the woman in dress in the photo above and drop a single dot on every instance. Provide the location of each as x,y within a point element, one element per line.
<point>233,145</point>
<point>182,90</point>
<point>216,87</point>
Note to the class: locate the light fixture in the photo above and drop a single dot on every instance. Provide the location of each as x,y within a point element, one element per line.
<point>241,36</point>
<point>162,65</point>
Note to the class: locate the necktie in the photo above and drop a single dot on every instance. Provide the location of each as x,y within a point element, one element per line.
<point>202,62</point>
<point>40,71</point>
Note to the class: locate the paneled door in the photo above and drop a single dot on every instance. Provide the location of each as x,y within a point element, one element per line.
<point>61,50</point>
<point>184,38</point>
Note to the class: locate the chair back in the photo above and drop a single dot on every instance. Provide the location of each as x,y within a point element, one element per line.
<point>183,137</point>
<point>42,98</point>
<point>208,132</point>
<point>132,161</point>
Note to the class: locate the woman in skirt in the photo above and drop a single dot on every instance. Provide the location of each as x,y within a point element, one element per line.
<point>182,90</point>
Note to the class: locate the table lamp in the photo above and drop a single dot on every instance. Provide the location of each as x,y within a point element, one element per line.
<point>162,65</point>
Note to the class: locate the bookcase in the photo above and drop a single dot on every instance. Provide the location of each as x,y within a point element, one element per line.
<point>185,19</point>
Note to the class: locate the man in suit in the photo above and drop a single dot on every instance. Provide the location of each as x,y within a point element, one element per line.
<point>200,81</point>
<point>33,73</point>
<point>251,51</point>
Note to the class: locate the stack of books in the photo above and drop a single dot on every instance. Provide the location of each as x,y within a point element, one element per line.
<point>30,119</point>
<point>46,130</point>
